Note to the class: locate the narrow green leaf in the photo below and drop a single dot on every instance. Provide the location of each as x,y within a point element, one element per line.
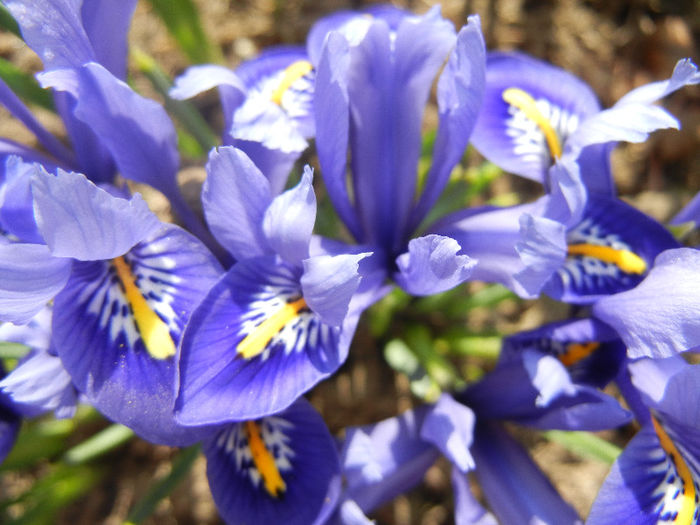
<point>419,340</point>
<point>25,85</point>
<point>181,465</point>
<point>381,314</point>
<point>108,439</point>
<point>7,22</point>
<point>51,493</point>
<point>183,22</point>
<point>182,110</point>
<point>13,350</point>
<point>485,347</point>
<point>38,440</point>
<point>402,359</point>
<point>585,444</point>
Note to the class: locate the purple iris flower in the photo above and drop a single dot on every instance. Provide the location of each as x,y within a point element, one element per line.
<point>535,113</point>
<point>282,468</point>
<point>112,128</point>
<point>553,375</point>
<point>656,479</point>
<point>574,245</point>
<point>281,319</point>
<point>577,243</point>
<point>383,460</point>
<point>123,286</point>
<point>371,88</point>
<point>267,105</point>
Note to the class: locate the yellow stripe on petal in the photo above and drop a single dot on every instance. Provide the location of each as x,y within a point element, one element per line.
<point>264,461</point>
<point>154,332</point>
<point>256,341</point>
<point>293,73</point>
<point>625,260</point>
<point>687,508</point>
<point>525,103</point>
<point>575,352</point>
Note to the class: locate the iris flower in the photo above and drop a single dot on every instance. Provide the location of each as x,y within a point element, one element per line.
<point>535,113</point>
<point>280,319</point>
<point>656,479</point>
<point>123,286</point>
<point>281,468</point>
<point>267,105</point>
<point>112,129</point>
<point>370,94</point>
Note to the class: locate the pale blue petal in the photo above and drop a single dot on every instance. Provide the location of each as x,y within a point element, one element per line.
<point>684,74</point>
<point>54,30</point>
<point>29,278</point>
<point>542,251</point>
<point>197,79</point>
<point>289,221</point>
<point>234,197</point>
<point>652,321</point>
<point>432,265</point>
<point>79,220</point>
<point>449,426</point>
<point>328,284</point>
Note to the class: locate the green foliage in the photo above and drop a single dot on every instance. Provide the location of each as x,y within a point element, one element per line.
<point>586,445</point>
<point>197,137</point>
<point>25,86</point>
<point>7,22</point>
<point>183,22</point>
<point>162,488</point>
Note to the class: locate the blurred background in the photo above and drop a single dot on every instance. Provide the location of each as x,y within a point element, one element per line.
<point>406,350</point>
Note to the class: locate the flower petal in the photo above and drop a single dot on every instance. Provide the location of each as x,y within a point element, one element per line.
<point>460,92</point>
<point>277,469</point>
<point>389,81</point>
<point>329,283</point>
<point>117,325</point>
<point>449,425</point>
<point>79,220</point>
<point>432,265</point>
<point>235,196</point>
<point>289,221</point>
<point>137,131</point>
<point>651,321</point>
<point>29,278</point>
<point>253,346</point>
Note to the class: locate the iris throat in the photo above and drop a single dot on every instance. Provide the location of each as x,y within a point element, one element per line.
<point>154,332</point>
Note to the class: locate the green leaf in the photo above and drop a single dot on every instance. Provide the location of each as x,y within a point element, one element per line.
<point>183,111</point>
<point>485,347</point>
<point>108,439</point>
<point>48,495</point>
<point>421,343</point>
<point>25,85</point>
<point>7,22</point>
<point>13,350</point>
<point>381,314</point>
<point>181,465</point>
<point>38,440</point>
<point>585,444</point>
<point>183,22</point>
<point>402,359</point>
